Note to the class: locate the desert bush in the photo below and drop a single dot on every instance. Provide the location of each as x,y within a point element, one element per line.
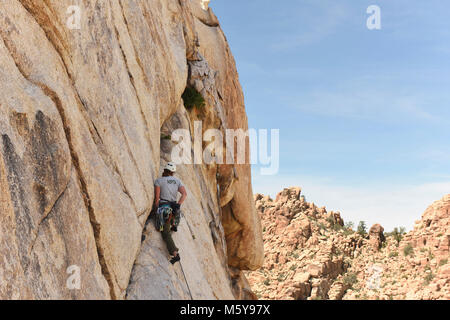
<point>350,279</point>
<point>281,277</point>
<point>348,232</point>
<point>192,98</point>
<point>428,278</point>
<point>338,227</point>
<point>397,234</point>
<point>349,225</point>
<point>166,136</point>
<point>393,254</point>
<point>330,220</point>
<point>362,228</point>
<point>408,250</point>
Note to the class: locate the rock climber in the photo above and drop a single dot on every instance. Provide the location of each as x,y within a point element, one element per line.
<point>166,201</point>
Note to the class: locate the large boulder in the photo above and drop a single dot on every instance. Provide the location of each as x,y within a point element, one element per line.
<point>376,236</point>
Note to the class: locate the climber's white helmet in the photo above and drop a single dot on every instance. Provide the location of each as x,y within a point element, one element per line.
<point>171,167</point>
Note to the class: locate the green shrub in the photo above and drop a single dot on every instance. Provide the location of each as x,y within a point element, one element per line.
<point>266,282</point>
<point>362,228</point>
<point>166,136</point>
<point>397,234</point>
<point>192,98</point>
<point>322,226</point>
<point>443,262</point>
<point>348,232</point>
<point>428,278</point>
<point>349,225</point>
<point>330,220</point>
<point>281,277</point>
<point>393,254</point>
<point>337,227</point>
<point>350,279</point>
<point>408,250</point>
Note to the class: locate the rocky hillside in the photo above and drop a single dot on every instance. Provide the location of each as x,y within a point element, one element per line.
<point>85,112</point>
<point>311,253</point>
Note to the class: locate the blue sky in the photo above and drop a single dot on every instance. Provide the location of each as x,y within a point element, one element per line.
<point>364,116</point>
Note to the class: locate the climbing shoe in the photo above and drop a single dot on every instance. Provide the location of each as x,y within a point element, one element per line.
<point>174,229</point>
<point>175,259</point>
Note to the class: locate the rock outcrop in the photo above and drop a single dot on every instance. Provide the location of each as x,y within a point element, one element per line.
<point>311,254</point>
<point>410,266</point>
<point>376,236</point>
<point>82,116</point>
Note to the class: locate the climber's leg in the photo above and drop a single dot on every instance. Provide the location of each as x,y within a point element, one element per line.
<point>176,220</point>
<point>167,237</point>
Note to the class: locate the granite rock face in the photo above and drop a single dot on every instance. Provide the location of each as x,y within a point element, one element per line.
<point>82,116</point>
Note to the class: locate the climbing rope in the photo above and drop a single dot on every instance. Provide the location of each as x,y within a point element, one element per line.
<point>187,222</point>
<point>181,266</point>
<point>185,280</point>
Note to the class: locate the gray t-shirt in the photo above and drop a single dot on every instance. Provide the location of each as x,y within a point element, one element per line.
<point>169,188</point>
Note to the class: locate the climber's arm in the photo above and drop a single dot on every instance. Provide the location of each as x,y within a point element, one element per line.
<point>183,192</point>
<point>157,195</point>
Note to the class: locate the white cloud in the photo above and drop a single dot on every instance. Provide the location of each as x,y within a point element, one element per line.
<point>390,205</point>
